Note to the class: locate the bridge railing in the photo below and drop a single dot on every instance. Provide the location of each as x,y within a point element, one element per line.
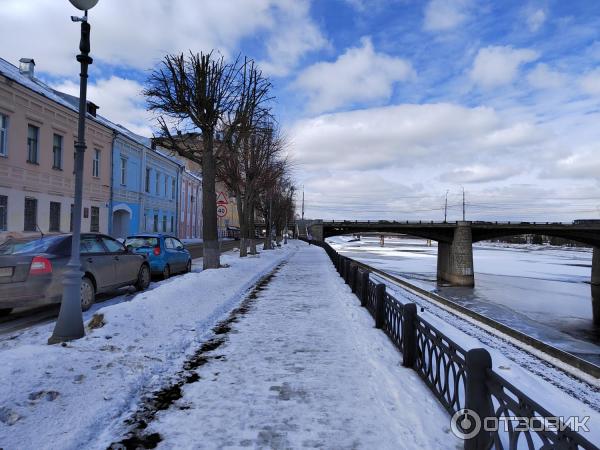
<point>462,380</point>
<point>474,222</point>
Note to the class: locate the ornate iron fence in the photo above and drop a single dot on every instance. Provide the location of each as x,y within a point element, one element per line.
<point>461,380</point>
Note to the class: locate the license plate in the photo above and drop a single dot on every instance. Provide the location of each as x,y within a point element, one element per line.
<point>6,271</point>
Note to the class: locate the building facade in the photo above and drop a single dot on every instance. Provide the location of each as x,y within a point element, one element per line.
<point>190,210</point>
<point>38,129</point>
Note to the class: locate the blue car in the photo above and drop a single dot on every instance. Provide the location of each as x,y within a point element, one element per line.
<point>166,254</point>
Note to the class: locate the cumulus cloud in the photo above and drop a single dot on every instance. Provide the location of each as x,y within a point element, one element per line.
<point>444,15</point>
<point>119,100</point>
<point>42,30</point>
<point>408,136</point>
<point>543,77</point>
<point>359,75</point>
<point>499,65</point>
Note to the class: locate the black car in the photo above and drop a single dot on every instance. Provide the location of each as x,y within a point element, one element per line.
<point>31,271</point>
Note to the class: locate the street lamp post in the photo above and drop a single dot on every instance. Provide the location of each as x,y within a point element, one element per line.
<point>69,324</point>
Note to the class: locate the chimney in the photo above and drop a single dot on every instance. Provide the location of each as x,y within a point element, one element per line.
<point>27,67</point>
<point>92,108</point>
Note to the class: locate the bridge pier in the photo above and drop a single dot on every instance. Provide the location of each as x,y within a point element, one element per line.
<point>455,260</point>
<point>595,282</point>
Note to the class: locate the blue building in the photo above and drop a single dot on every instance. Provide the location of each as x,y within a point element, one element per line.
<point>145,186</point>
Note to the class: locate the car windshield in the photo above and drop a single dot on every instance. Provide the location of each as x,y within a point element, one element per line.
<point>141,242</point>
<point>14,247</point>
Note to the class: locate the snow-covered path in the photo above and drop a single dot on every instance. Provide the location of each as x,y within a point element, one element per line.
<point>304,367</point>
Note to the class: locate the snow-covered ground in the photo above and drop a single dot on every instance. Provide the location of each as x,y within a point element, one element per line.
<point>63,397</point>
<point>304,367</point>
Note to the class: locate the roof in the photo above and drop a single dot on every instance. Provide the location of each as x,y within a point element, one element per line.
<point>72,102</point>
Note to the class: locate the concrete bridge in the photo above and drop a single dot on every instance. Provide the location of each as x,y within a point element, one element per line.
<point>455,242</point>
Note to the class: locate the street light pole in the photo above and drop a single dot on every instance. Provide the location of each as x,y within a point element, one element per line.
<point>69,325</point>
<point>446,207</point>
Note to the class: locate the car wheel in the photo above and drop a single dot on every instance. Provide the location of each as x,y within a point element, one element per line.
<point>5,311</point>
<point>166,272</point>
<point>143,280</point>
<point>188,267</point>
<point>88,293</point>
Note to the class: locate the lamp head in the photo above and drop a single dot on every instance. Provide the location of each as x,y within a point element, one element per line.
<point>84,5</point>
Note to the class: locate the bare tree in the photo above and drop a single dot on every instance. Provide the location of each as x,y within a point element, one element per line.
<point>241,160</point>
<point>191,96</point>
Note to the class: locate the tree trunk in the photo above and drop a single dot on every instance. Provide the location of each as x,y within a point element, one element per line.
<point>252,229</point>
<point>267,244</point>
<point>211,256</point>
<point>241,207</point>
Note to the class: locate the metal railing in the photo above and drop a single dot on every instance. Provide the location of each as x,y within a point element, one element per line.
<point>462,380</point>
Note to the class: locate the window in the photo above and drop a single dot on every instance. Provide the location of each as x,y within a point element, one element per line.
<point>32,144</point>
<point>95,220</point>
<point>71,219</point>
<point>173,190</point>
<point>3,135</point>
<point>54,216</point>
<point>91,244</point>
<point>123,170</point>
<point>3,212</point>
<point>157,184</point>
<point>148,180</point>
<point>169,244</point>
<point>74,161</point>
<point>155,224</point>
<point>166,185</point>
<point>96,163</point>
<point>164,224</point>
<point>172,222</point>
<point>112,245</point>
<point>57,146</point>
<point>30,214</point>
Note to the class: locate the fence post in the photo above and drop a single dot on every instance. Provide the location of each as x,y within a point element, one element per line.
<point>342,266</point>
<point>477,396</point>
<point>409,334</point>
<point>364,295</point>
<point>347,271</point>
<point>353,273</point>
<point>380,305</point>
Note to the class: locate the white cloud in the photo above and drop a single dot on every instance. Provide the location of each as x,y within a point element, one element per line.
<point>479,174</point>
<point>119,100</point>
<point>543,77</point>
<point>535,19</point>
<point>359,75</point>
<point>590,82</point>
<point>409,136</point>
<point>498,65</point>
<point>137,33</point>
<point>443,15</point>
<point>294,36</point>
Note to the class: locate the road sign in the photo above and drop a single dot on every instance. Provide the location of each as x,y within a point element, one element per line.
<point>221,211</point>
<point>221,199</point>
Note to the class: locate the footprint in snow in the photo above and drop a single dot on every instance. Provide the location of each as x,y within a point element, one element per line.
<point>47,395</point>
<point>8,416</point>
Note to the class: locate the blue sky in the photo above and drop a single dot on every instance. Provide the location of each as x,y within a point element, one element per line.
<point>386,104</point>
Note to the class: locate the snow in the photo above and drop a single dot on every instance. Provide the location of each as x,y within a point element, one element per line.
<point>63,397</point>
<point>305,368</point>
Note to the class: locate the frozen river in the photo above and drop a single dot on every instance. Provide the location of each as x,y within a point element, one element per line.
<point>540,290</point>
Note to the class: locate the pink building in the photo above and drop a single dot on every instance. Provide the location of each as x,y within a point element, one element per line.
<point>38,129</point>
<point>190,206</point>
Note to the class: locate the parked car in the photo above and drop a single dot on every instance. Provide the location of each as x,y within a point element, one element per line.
<point>31,272</point>
<point>166,254</point>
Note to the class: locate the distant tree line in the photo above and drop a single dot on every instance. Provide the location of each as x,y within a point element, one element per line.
<point>539,239</point>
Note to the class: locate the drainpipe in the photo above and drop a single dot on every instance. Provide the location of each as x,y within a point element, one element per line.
<point>112,184</point>
<point>142,192</point>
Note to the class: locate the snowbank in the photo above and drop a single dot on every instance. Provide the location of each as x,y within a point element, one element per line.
<point>64,396</point>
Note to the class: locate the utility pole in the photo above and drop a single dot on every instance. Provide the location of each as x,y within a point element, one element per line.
<point>463,188</point>
<point>446,207</point>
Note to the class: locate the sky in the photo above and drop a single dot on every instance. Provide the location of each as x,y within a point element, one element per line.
<point>387,106</point>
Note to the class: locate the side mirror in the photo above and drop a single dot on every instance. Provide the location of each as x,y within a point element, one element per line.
<point>128,248</point>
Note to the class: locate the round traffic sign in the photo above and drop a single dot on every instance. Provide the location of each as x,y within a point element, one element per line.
<point>221,210</point>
